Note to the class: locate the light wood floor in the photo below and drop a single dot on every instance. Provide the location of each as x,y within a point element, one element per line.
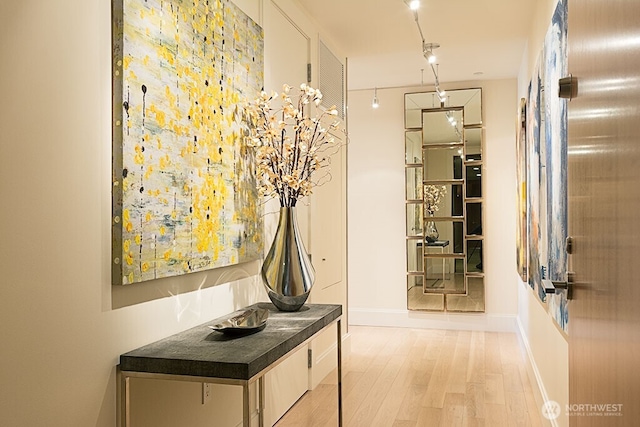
<point>415,377</point>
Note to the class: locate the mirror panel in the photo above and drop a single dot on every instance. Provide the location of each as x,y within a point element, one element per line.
<point>414,103</point>
<point>414,220</point>
<point>450,204</point>
<point>472,301</point>
<point>444,243</point>
<point>474,256</point>
<point>413,146</point>
<point>473,181</point>
<point>414,256</point>
<point>442,127</point>
<point>442,163</point>
<point>469,99</point>
<point>474,219</point>
<point>473,143</point>
<point>414,184</point>
<point>440,275</point>
<point>418,300</point>
<point>415,280</point>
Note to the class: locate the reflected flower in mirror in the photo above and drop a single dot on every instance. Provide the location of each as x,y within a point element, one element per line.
<point>433,195</point>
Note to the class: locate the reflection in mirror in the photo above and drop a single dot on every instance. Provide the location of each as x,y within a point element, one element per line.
<point>474,219</point>
<point>442,127</point>
<point>451,203</point>
<point>443,244</point>
<point>414,185</point>
<point>470,99</point>
<point>414,103</point>
<point>474,181</point>
<point>415,280</point>
<point>442,163</point>
<point>413,147</point>
<point>473,143</point>
<point>474,256</point>
<point>473,301</point>
<point>440,275</point>
<point>417,299</point>
<point>414,220</point>
<point>414,255</point>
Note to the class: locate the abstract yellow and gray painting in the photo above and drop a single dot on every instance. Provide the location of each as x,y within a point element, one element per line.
<point>184,188</point>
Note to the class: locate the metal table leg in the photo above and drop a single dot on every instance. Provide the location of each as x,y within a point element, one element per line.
<point>339,327</point>
<point>246,410</point>
<point>261,401</point>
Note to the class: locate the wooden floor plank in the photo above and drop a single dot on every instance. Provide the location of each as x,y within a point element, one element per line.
<point>457,380</point>
<point>453,410</point>
<point>476,370</point>
<point>494,389</point>
<point>434,398</point>
<point>417,377</point>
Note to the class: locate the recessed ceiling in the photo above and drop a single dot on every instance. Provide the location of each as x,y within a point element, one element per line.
<point>383,45</point>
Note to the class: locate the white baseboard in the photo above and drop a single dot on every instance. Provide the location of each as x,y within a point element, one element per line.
<point>536,373</point>
<point>425,320</point>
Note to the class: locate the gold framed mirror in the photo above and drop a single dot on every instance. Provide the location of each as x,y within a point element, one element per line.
<point>444,201</point>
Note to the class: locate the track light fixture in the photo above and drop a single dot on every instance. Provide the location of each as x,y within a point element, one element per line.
<point>375,103</point>
<point>413,4</point>
<point>427,48</point>
<point>427,51</point>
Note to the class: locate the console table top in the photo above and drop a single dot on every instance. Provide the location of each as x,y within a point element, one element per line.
<point>202,352</point>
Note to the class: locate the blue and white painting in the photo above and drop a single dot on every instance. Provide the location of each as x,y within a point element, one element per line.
<point>536,224</point>
<point>555,129</point>
<point>546,153</point>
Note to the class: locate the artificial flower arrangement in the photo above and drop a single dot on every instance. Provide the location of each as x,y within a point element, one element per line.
<point>433,195</point>
<point>289,144</point>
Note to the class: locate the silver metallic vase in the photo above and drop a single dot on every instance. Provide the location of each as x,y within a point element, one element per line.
<point>287,271</point>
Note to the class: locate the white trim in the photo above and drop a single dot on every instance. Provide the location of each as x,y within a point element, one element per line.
<point>426,320</point>
<point>534,367</point>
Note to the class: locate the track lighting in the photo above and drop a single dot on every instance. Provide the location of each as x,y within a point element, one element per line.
<point>427,48</point>
<point>375,103</point>
<point>427,51</point>
<point>430,56</point>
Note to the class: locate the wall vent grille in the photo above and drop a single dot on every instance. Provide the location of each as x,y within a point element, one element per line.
<point>331,79</point>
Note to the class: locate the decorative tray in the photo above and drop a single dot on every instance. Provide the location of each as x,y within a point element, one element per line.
<point>248,321</point>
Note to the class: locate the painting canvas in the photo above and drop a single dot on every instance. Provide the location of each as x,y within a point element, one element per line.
<point>555,109</point>
<point>534,177</point>
<point>184,188</point>
<point>546,160</point>
<point>522,249</point>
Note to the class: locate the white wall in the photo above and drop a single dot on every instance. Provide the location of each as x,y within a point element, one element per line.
<point>377,248</point>
<point>64,326</point>
<point>547,346</point>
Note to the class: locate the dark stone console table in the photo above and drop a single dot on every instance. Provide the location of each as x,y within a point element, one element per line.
<point>202,355</point>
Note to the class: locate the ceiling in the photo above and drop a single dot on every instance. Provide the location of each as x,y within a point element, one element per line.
<point>382,43</point>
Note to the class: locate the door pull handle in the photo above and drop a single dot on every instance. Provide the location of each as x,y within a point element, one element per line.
<point>552,286</point>
<point>568,87</point>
